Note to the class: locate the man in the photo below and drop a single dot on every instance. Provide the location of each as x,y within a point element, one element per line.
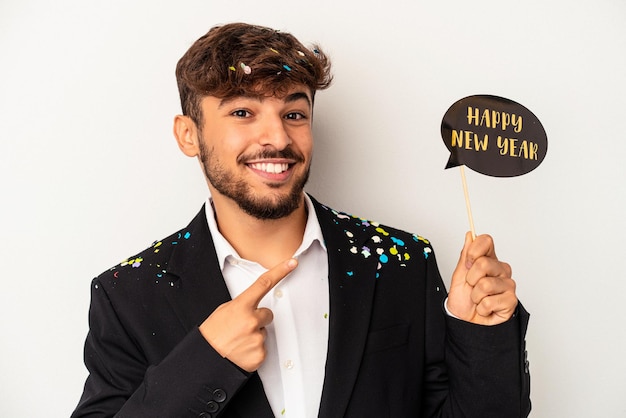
<point>271,304</point>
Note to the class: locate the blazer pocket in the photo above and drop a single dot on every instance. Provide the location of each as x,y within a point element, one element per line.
<point>387,338</point>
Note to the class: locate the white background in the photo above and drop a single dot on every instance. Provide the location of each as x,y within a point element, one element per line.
<point>90,173</point>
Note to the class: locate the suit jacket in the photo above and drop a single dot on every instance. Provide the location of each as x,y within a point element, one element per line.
<point>392,351</point>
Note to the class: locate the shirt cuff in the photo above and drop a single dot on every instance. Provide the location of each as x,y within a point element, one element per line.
<point>445,306</point>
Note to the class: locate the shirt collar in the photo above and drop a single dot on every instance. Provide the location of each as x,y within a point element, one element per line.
<point>223,249</point>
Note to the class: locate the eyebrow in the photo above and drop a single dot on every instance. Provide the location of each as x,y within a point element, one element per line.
<point>290,98</point>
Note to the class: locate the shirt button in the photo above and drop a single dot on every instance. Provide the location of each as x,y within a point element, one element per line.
<point>278,293</point>
<point>289,364</point>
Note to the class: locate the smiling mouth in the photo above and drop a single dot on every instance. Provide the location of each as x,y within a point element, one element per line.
<point>271,168</point>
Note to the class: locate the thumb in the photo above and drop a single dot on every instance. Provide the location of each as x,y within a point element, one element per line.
<point>462,266</point>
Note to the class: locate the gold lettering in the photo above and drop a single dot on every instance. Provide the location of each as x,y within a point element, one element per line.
<point>481,145</point>
<point>456,138</point>
<point>484,119</point>
<point>495,118</point>
<point>509,146</point>
<point>467,139</point>
<point>523,149</point>
<point>503,144</point>
<point>533,151</point>
<point>506,121</point>
<point>517,123</point>
<point>472,115</point>
<point>512,147</point>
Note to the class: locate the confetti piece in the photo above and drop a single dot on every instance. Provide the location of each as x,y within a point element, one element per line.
<point>301,53</point>
<point>245,68</point>
<point>273,50</point>
<point>286,67</point>
<point>382,231</point>
<point>397,241</point>
<point>231,68</point>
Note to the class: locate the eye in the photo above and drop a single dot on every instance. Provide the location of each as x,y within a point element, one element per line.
<point>295,116</point>
<point>241,113</point>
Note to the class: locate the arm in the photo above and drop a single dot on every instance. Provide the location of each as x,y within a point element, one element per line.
<point>473,369</point>
<point>123,383</point>
<point>203,372</point>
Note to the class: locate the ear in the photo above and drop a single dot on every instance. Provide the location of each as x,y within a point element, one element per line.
<point>186,135</point>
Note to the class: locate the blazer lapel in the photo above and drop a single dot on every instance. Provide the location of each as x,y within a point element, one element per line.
<point>199,289</point>
<point>199,284</point>
<point>352,274</point>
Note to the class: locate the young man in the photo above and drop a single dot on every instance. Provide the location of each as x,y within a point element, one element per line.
<point>271,304</point>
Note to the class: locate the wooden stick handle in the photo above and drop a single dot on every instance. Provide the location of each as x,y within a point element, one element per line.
<point>467,202</point>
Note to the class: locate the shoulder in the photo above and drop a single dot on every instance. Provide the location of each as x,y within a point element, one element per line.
<point>367,238</point>
<point>150,264</point>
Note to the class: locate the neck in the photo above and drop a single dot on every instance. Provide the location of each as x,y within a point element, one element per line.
<point>265,241</point>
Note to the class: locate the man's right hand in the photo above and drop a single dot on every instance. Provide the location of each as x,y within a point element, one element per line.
<point>236,329</point>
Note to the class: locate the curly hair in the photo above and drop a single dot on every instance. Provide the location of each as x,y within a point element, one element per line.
<point>240,59</point>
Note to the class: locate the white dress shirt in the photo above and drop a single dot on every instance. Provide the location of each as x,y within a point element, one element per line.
<point>297,339</point>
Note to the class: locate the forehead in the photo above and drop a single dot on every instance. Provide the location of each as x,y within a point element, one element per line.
<point>289,95</point>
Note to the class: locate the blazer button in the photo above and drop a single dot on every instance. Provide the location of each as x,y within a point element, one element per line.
<point>205,415</point>
<point>219,395</point>
<point>212,406</point>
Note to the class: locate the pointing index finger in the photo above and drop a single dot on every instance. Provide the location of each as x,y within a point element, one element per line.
<point>266,282</point>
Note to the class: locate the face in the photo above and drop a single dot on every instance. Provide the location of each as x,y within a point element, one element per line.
<point>256,151</point>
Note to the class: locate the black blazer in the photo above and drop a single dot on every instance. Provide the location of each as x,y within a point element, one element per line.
<point>392,351</point>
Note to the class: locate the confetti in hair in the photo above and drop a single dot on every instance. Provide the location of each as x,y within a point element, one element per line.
<point>286,67</point>
<point>245,68</point>
<point>231,68</point>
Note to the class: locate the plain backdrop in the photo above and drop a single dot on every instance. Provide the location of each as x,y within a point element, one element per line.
<point>90,173</point>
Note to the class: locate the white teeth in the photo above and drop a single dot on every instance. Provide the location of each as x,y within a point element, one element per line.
<point>272,168</point>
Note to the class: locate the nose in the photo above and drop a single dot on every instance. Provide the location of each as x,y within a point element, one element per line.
<point>274,133</point>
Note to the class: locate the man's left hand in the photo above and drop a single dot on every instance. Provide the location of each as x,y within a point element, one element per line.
<point>482,290</point>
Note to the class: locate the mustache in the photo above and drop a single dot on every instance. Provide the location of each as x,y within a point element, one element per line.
<point>287,153</point>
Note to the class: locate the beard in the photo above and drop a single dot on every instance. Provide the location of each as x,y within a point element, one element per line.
<point>270,206</point>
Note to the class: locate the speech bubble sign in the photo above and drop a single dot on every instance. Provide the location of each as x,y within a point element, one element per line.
<point>493,136</point>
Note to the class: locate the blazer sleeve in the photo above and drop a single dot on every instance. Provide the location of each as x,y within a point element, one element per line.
<point>191,379</point>
<point>473,370</point>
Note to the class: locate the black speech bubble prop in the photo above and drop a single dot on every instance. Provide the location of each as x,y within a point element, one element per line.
<point>493,136</point>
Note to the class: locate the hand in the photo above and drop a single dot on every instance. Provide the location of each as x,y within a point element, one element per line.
<point>482,290</point>
<point>236,329</point>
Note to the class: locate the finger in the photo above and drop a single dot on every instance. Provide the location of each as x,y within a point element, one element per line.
<point>501,305</point>
<point>487,267</point>
<point>264,317</point>
<point>266,282</point>
<point>461,269</point>
<point>482,246</point>
<point>491,286</point>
